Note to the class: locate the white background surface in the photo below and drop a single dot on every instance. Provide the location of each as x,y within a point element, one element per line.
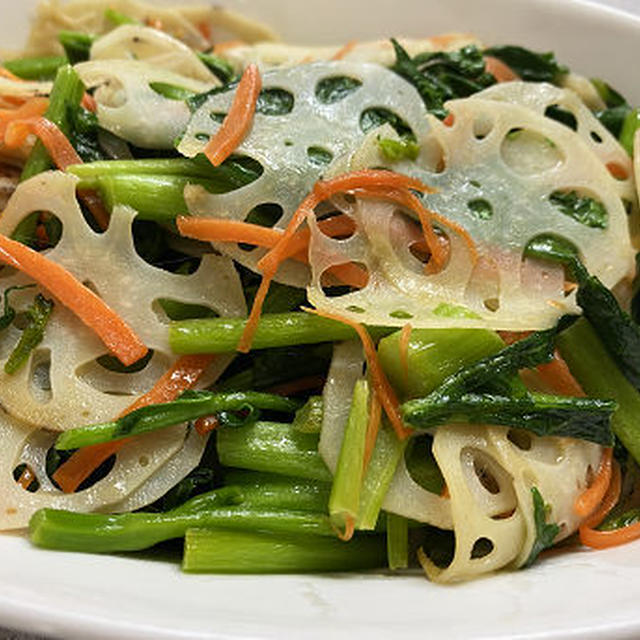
<point>581,594</point>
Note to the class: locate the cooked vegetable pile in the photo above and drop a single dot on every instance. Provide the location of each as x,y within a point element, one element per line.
<point>313,309</point>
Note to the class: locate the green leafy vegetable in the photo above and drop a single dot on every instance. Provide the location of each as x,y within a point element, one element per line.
<point>629,127</point>
<point>274,102</point>
<point>375,117</point>
<point>76,45</point>
<point>171,91</point>
<point>218,66</point>
<point>626,519</point>
<point>396,150</point>
<point>38,316</point>
<point>190,405</point>
<point>529,65</point>
<point>336,88</point>
<point>9,313</point>
<point>617,107</point>
<point>442,76</point>
<point>545,533</point>
<point>113,364</point>
<point>118,18</point>
<point>583,209</point>
<point>309,418</point>
<point>40,69</point>
<point>542,414</point>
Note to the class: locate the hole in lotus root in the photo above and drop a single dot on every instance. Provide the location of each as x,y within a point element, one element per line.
<point>482,547</point>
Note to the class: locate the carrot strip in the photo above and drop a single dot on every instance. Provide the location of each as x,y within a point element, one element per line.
<point>558,376</point>
<point>238,121</point>
<point>344,51</point>
<point>589,499</point>
<point>381,386</point>
<point>57,144</point>
<point>183,375</point>
<point>93,201</point>
<point>89,102</point>
<point>29,109</point>
<point>26,478</point>
<point>91,309</point>
<point>449,120</point>
<point>499,70</point>
<point>367,179</point>
<point>349,529</point>
<point>591,537</point>
<point>373,428</point>
<point>206,424</point>
<point>5,73</point>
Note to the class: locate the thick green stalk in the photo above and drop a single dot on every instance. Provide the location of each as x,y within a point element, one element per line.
<point>380,471</point>
<point>600,377</point>
<point>104,533</point>
<point>189,406</point>
<point>274,448</point>
<point>221,335</point>
<point>76,45</point>
<point>35,68</point>
<point>218,551</point>
<point>629,127</point>
<point>397,542</point>
<point>432,355</point>
<point>66,95</point>
<point>272,491</point>
<point>344,502</point>
<point>309,418</point>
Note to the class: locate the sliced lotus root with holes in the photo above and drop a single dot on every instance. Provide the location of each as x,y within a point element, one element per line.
<point>62,386</point>
<point>157,48</point>
<point>315,128</point>
<point>137,462</point>
<point>541,97</point>
<point>501,163</point>
<point>489,473</point>
<point>130,108</point>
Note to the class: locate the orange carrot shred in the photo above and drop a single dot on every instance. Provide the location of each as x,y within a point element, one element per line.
<point>91,309</point>
<point>381,386</point>
<point>617,171</point>
<point>558,376</point>
<point>57,144</point>
<point>589,499</point>
<point>183,375</point>
<point>29,109</point>
<point>499,70</point>
<point>449,120</point>
<point>221,47</point>
<point>591,537</point>
<point>344,51</point>
<point>26,477</point>
<point>238,121</point>
<point>89,102</point>
<point>206,424</point>
<point>368,179</point>
<point>373,427</point>
<point>349,529</point>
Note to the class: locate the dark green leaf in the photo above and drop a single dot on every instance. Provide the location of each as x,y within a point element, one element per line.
<point>545,533</point>
<point>9,313</point>
<point>171,91</point>
<point>618,522</point>
<point>582,209</point>
<point>544,415</point>
<point>529,65</point>
<point>274,102</point>
<point>442,76</point>
<point>112,363</point>
<point>41,69</point>
<point>76,45</point>
<point>336,88</point>
<point>377,116</point>
<point>218,66</point>
<point>319,157</point>
<point>38,316</point>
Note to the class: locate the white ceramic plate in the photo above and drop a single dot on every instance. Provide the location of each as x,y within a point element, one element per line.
<point>581,594</point>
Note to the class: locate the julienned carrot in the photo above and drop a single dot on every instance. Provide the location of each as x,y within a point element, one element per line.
<point>238,121</point>
<point>206,424</point>
<point>381,385</point>
<point>557,375</point>
<point>29,109</point>
<point>591,537</point>
<point>118,337</point>
<point>341,53</point>
<point>588,501</point>
<point>221,230</point>
<point>183,375</point>
<point>367,179</point>
<point>499,70</point>
<point>89,102</point>
<point>221,47</point>
<point>373,427</point>
<point>56,143</point>
<point>349,529</point>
